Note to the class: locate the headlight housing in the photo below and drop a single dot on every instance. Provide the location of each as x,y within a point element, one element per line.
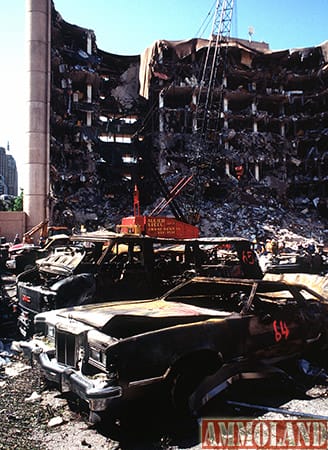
<point>98,355</point>
<point>51,332</point>
<point>98,344</point>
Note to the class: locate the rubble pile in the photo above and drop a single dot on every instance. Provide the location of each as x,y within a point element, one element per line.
<point>120,121</point>
<point>255,211</point>
<point>263,217</point>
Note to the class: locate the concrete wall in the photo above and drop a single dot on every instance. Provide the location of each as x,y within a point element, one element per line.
<point>12,223</point>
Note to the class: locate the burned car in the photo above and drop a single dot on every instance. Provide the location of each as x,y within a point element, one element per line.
<point>22,257</point>
<point>186,346</point>
<point>315,263</point>
<point>110,266</point>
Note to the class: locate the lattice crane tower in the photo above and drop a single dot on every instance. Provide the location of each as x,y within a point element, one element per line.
<point>220,34</point>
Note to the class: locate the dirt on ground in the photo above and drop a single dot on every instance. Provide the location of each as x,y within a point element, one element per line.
<point>34,415</point>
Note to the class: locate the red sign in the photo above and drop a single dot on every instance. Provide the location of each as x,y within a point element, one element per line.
<point>241,434</point>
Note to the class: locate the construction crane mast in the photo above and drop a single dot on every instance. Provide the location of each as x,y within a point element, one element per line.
<point>211,86</point>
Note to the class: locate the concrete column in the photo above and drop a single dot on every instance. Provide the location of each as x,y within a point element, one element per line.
<point>89,100</point>
<point>254,108</point>
<point>282,129</point>
<point>225,104</point>
<point>194,116</point>
<point>38,50</point>
<point>89,86</point>
<point>161,111</point>
<point>257,171</point>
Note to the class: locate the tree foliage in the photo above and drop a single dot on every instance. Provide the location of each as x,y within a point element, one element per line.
<point>18,202</point>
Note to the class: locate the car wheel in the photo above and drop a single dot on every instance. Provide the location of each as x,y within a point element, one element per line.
<point>182,386</point>
<point>187,376</point>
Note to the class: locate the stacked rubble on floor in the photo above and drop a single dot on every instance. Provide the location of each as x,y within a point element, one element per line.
<point>262,167</point>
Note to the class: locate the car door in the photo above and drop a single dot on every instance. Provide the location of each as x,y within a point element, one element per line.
<point>313,318</point>
<point>277,325</point>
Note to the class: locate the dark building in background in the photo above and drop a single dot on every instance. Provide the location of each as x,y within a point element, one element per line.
<point>150,120</point>
<point>8,173</point>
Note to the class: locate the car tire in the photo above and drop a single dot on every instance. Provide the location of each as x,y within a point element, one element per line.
<point>187,375</point>
<point>182,386</point>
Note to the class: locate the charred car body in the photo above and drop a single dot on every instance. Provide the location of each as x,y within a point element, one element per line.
<point>116,267</point>
<point>315,263</point>
<point>22,257</point>
<point>189,344</point>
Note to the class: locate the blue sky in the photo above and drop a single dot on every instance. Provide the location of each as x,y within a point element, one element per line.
<point>129,27</point>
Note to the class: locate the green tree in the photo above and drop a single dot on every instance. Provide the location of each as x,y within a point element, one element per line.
<point>18,202</point>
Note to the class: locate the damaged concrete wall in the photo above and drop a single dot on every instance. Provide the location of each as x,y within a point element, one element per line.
<point>114,117</point>
<point>94,113</point>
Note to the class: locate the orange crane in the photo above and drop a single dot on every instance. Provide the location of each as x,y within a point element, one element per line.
<point>158,226</point>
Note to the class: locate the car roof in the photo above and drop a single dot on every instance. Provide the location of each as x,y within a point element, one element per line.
<point>250,282</point>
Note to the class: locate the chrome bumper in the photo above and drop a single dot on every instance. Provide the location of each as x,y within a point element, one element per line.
<point>68,379</point>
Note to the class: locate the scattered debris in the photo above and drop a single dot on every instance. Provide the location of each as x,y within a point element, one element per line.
<point>55,421</point>
<point>33,397</point>
<point>16,369</point>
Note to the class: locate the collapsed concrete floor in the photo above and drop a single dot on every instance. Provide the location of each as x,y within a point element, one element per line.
<point>257,152</point>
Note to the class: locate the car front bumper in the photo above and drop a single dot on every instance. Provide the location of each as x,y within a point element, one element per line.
<point>99,396</point>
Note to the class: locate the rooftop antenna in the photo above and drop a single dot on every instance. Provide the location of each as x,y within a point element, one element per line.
<point>250,33</point>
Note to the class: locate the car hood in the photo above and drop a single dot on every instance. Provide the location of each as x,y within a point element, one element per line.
<point>61,261</point>
<point>106,316</point>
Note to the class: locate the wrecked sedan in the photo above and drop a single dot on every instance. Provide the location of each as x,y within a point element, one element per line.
<point>186,346</point>
<point>109,266</point>
<point>22,257</point>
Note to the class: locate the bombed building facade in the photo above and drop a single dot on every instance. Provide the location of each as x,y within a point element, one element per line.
<point>257,139</point>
